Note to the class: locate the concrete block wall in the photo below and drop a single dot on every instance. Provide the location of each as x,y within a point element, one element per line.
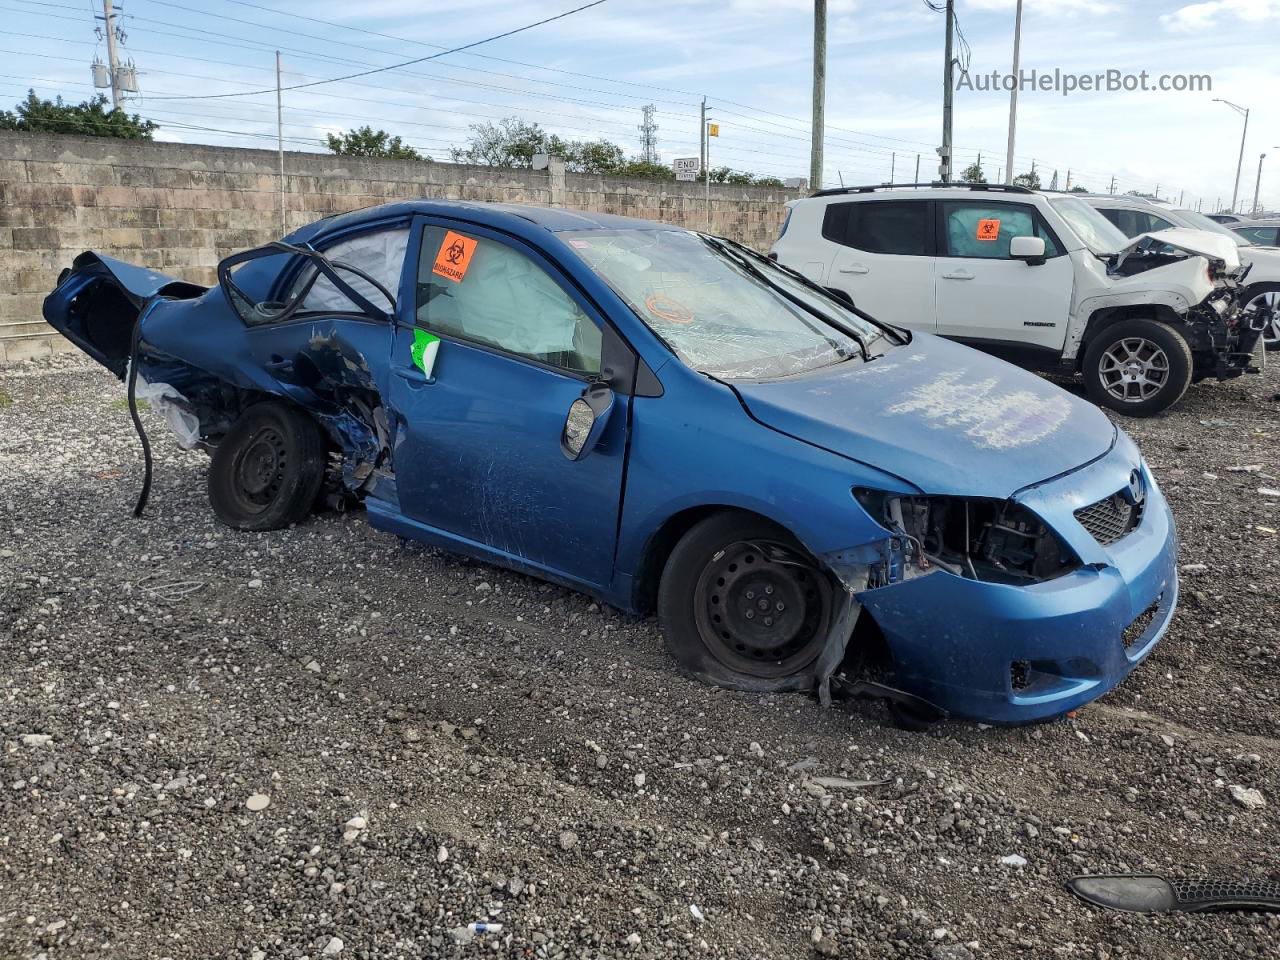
<point>180,208</point>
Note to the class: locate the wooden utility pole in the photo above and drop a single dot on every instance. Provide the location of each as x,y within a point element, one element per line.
<point>819,92</point>
<point>944,168</point>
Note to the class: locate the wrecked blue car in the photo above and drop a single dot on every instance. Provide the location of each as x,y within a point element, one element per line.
<point>810,499</point>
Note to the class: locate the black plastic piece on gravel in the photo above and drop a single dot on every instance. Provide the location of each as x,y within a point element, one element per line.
<point>1146,893</point>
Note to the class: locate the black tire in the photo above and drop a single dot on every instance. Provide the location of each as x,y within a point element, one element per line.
<point>1104,380</point>
<point>267,471</point>
<point>751,561</point>
<point>1270,336</point>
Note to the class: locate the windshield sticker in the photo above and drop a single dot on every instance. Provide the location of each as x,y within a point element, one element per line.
<point>580,244</point>
<point>454,257</point>
<point>988,230</point>
<point>664,308</point>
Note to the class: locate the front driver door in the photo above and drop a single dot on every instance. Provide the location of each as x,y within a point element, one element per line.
<point>987,300</point>
<point>477,450</point>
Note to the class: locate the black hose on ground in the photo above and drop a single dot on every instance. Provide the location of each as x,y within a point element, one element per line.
<point>145,493</point>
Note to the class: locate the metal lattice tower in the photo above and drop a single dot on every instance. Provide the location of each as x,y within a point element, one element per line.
<point>648,135</point>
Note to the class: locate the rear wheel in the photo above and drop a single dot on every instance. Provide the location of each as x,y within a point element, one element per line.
<point>743,605</point>
<point>1266,297</point>
<point>266,472</point>
<point>1138,367</point>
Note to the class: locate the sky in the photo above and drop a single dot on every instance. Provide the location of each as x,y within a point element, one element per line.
<point>588,75</point>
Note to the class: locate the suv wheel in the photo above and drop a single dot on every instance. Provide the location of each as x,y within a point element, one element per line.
<point>1137,367</point>
<point>1266,296</point>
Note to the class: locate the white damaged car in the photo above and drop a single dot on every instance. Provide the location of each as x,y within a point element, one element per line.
<point>1042,281</point>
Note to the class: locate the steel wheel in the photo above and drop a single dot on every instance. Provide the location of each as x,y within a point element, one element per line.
<point>1134,369</point>
<point>259,469</point>
<point>761,610</point>
<point>1268,300</point>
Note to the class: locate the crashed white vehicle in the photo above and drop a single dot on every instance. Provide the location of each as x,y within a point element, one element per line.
<point>1044,282</point>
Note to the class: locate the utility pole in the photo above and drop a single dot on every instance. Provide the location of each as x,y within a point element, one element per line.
<point>944,168</point>
<point>1013,94</point>
<point>1067,185</point>
<point>1112,189</point>
<point>819,92</point>
<point>893,166</point>
<point>917,179</point>
<point>1181,196</point>
<point>280,142</point>
<point>1257,186</point>
<point>113,60</point>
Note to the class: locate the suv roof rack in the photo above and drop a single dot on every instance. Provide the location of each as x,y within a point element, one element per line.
<point>937,184</point>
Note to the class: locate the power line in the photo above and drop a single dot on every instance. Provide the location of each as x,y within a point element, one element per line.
<point>394,66</point>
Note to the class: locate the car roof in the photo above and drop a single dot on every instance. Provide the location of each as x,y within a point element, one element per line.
<point>514,217</point>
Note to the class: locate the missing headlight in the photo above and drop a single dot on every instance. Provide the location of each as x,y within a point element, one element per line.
<point>996,541</point>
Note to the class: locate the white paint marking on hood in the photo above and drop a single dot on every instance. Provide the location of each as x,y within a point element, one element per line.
<point>991,419</point>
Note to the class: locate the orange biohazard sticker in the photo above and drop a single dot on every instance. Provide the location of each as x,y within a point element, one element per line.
<point>454,257</point>
<point>988,230</point>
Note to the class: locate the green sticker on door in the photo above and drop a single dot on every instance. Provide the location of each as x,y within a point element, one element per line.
<point>423,351</point>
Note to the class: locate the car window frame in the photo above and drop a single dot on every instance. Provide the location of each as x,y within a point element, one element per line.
<point>940,228</point>
<point>930,238</point>
<point>293,270</point>
<point>618,358</point>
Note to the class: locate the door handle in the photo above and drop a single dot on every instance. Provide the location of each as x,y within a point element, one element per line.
<point>958,275</point>
<point>856,268</point>
<point>413,375</point>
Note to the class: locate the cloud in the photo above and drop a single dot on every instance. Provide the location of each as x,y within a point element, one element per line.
<point>1202,16</point>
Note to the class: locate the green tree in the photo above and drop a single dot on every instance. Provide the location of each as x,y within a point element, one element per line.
<point>1030,180</point>
<point>973,174</point>
<point>1079,189</point>
<point>367,142</point>
<point>91,118</point>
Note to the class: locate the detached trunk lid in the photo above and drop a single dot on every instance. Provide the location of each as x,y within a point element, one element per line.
<point>98,300</point>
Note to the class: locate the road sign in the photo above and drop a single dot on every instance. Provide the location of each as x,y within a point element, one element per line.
<point>713,129</point>
<point>686,168</point>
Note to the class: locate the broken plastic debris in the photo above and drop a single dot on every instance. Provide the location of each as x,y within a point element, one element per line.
<point>697,914</point>
<point>1014,860</point>
<point>841,783</point>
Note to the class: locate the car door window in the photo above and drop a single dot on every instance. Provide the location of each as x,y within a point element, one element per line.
<point>1266,236</point>
<point>899,227</point>
<point>379,253</point>
<point>479,289</point>
<point>984,230</point>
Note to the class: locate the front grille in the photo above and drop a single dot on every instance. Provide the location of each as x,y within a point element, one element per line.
<point>1133,633</point>
<point>1110,519</point>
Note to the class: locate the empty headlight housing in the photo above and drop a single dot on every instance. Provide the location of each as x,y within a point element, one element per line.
<point>995,541</point>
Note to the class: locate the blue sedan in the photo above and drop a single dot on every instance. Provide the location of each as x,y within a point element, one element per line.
<point>809,498</point>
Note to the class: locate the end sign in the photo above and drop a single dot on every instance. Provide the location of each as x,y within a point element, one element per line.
<point>686,168</point>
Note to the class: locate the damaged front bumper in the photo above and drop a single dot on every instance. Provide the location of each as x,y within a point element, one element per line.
<point>1224,335</point>
<point>1010,654</point>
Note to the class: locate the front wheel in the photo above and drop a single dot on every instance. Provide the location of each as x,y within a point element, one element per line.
<point>266,472</point>
<point>1137,367</point>
<point>1266,297</point>
<point>743,605</point>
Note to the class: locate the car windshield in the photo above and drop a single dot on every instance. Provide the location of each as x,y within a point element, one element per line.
<point>1200,222</point>
<point>1096,232</point>
<point>714,312</point>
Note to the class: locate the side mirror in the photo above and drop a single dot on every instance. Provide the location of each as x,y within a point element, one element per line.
<point>588,416</point>
<point>1030,249</point>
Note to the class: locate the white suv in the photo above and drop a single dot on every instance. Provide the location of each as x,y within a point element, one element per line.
<point>1047,283</point>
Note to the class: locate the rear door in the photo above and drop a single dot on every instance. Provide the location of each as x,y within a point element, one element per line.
<point>884,258</point>
<point>984,298</point>
<point>477,439</point>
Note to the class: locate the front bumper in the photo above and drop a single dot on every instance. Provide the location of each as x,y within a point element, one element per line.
<point>1016,654</point>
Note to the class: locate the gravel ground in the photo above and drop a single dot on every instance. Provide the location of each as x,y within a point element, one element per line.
<point>438,742</point>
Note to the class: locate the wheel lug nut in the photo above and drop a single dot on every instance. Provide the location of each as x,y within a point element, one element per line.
<point>781,606</point>
<point>751,594</point>
<point>768,589</point>
<point>751,614</point>
<point>768,621</point>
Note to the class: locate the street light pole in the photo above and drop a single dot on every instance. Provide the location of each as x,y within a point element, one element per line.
<point>1013,95</point>
<point>1257,185</point>
<point>1243,111</point>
